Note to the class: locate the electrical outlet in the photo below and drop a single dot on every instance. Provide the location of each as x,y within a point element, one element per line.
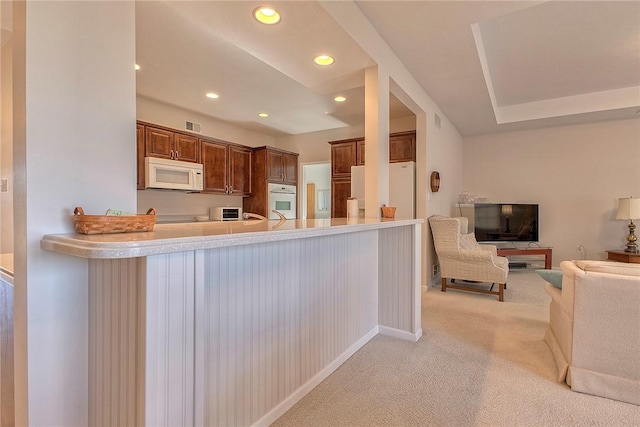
<point>436,270</point>
<point>4,185</point>
<point>581,251</point>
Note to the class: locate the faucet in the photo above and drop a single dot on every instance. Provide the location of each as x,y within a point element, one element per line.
<point>282,217</point>
<point>247,215</point>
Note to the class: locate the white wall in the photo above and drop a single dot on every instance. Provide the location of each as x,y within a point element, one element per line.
<point>74,145</point>
<point>576,174</point>
<point>168,202</point>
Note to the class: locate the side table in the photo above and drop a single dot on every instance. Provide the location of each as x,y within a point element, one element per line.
<point>622,256</point>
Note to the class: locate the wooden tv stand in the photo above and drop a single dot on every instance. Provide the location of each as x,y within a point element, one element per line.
<point>529,251</point>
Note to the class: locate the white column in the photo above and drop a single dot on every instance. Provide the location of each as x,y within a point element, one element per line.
<point>376,133</point>
<point>74,112</point>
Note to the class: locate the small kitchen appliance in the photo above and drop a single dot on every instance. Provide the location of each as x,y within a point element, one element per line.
<point>225,213</point>
<point>172,174</point>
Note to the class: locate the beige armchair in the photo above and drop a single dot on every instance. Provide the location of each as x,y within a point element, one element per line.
<point>594,328</point>
<point>462,258</point>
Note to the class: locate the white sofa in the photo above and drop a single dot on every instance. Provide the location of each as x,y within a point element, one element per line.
<point>594,328</point>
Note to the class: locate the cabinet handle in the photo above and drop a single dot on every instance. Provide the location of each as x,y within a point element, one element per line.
<point>230,190</point>
<point>226,189</point>
<point>171,154</point>
<point>176,154</point>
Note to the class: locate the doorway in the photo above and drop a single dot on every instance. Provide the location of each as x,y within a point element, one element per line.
<point>315,191</point>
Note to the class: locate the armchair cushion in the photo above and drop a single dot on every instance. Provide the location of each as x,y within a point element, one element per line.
<point>468,241</point>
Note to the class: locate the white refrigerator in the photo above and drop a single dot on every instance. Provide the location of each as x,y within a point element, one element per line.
<point>402,188</point>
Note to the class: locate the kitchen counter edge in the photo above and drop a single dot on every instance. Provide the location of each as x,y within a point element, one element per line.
<point>170,238</point>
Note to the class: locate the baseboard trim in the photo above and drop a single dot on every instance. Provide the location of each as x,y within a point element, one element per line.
<point>278,411</point>
<point>397,333</point>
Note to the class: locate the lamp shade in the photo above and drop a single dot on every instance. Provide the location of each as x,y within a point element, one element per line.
<point>508,209</point>
<point>628,208</point>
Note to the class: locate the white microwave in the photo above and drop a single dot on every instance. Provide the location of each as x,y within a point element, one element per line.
<point>172,174</point>
<point>225,213</point>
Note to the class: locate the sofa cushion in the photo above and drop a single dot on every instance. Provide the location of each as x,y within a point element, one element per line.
<point>554,277</point>
<point>611,267</point>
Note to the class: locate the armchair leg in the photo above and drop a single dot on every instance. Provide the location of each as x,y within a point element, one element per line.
<point>501,292</point>
<point>444,285</point>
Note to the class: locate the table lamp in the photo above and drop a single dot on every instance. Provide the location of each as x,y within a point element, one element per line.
<point>629,208</point>
<point>506,211</point>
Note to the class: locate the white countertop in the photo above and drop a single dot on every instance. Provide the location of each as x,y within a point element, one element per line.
<point>168,238</point>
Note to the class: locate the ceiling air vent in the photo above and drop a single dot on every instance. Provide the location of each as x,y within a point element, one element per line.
<point>436,120</point>
<point>193,127</point>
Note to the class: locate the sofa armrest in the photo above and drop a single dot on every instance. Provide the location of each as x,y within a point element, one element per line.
<point>569,273</point>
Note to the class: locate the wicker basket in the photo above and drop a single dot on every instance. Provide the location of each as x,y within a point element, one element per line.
<point>388,211</point>
<point>104,224</point>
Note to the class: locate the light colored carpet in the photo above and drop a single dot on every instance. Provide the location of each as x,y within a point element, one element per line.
<point>479,363</point>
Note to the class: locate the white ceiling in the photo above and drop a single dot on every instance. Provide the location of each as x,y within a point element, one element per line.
<point>490,66</point>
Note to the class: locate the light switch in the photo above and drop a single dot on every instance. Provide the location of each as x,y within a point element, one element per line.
<point>4,185</point>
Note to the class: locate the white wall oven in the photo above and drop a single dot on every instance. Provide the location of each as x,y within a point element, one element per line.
<point>282,198</point>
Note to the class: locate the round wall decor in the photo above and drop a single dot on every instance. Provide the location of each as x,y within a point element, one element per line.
<point>435,181</point>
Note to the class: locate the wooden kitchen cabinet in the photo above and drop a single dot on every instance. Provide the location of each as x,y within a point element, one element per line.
<point>186,148</point>
<point>240,170</point>
<point>167,144</point>
<point>140,156</point>
<point>269,165</point>
<point>340,192</point>
<point>215,167</point>
<point>402,147</point>
<point>350,152</point>
<point>227,168</point>
<point>343,156</point>
<point>282,166</point>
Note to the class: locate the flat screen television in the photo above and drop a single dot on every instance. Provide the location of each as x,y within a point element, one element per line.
<point>504,222</point>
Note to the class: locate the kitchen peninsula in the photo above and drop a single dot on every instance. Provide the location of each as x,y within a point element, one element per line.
<point>232,323</point>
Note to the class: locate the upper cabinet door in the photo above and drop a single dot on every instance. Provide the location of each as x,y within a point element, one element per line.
<point>290,167</point>
<point>240,170</point>
<point>186,148</point>
<point>402,148</point>
<point>214,164</point>
<point>158,143</point>
<point>343,156</point>
<point>275,166</point>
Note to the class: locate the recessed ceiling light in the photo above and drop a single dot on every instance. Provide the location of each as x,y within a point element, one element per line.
<point>266,15</point>
<point>212,95</point>
<point>339,99</point>
<point>136,67</point>
<point>263,115</point>
<point>324,60</point>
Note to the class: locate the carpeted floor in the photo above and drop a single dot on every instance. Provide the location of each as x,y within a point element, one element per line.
<point>479,363</point>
